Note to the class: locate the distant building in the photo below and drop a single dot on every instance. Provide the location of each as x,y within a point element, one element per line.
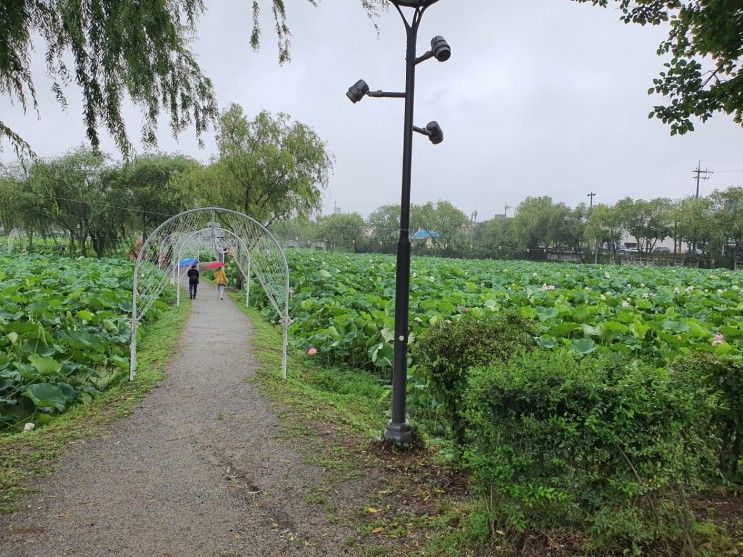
<point>426,236</point>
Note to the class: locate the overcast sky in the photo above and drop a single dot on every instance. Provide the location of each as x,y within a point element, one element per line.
<point>545,100</point>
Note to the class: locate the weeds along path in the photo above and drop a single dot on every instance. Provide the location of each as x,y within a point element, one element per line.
<point>198,469</point>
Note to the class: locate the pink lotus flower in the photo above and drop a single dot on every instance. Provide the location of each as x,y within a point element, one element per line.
<point>312,352</point>
<point>718,340</point>
<point>466,310</point>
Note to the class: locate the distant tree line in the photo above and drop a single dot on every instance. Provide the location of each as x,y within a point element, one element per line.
<point>710,226</point>
<point>270,168</point>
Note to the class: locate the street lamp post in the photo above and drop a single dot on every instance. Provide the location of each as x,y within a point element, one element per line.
<point>397,429</point>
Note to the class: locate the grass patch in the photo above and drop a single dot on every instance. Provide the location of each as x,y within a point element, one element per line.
<point>335,416</point>
<point>342,396</point>
<point>33,454</point>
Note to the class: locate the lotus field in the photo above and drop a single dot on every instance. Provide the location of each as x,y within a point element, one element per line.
<point>342,305</point>
<point>64,332</point>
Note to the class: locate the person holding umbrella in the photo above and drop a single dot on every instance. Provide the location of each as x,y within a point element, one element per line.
<point>193,281</point>
<point>221,279</point>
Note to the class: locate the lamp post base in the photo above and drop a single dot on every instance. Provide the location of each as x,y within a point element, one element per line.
<point>400,434</point>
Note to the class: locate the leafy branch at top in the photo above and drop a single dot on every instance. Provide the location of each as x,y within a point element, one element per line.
<point>705,43</point>
<point>112,49</point>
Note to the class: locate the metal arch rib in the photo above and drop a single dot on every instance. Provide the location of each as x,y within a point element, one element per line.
<point>160,242</point>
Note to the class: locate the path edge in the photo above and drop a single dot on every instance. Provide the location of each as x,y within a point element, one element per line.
<point>30,455</point>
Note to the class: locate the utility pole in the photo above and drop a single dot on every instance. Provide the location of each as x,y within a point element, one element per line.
<point>591,195</point>
<point>699,173</point>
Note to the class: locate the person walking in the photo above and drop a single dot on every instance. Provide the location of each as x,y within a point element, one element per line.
<point>221,279</point>
<point>193,281</point>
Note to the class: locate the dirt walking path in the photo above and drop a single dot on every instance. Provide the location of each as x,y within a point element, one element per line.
<point>198,469</point>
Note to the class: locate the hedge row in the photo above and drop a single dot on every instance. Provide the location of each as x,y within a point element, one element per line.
<point>606,445</point>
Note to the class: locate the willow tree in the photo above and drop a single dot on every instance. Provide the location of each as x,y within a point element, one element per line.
<point>112,50</point>
<point>269,167</point>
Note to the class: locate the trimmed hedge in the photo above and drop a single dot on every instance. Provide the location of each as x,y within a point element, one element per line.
<point>601,444</point>
<point>721,376</point>
<point>446,352</point>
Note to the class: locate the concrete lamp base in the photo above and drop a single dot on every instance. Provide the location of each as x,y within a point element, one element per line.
<point>399,434</point>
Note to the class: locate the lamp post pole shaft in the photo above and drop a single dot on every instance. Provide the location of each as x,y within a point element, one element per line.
<point>397,428</point>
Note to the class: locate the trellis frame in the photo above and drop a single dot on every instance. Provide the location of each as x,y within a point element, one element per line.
<point>159,253</point>
<point>15,235</point>
<point>185,242</point>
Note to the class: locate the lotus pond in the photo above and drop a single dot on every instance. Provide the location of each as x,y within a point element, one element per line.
<point>64,332</point>
<point>342,304</point>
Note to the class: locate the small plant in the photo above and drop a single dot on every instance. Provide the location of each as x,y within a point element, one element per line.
<point>445,353</point>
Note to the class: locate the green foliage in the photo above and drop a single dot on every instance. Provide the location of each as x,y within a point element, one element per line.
<point>62,189</point>
<point>385,224</point>
<point>342,305</point>
<point>342,230</point>
<point>602,443</point>
<point>443,218</point>
<point>112,48</point>
<point>539,222</point>
<point>728,206</point>
<point>446,351</point>
<point>269,167</point>
<point>721,376</point>
<point>64,332</point>
<point>145,186</point>
<point>647,221</point>
<point>604,226</point>
<point>704,74</point>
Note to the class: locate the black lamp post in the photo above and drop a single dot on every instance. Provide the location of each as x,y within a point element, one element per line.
<point>398,430</point>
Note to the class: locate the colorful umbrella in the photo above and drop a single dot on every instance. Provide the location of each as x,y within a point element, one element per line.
<point>188,262</point>
<point>214,265</point>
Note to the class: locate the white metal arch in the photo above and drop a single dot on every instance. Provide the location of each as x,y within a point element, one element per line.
<point>159,256</point>
<point>198,243</point>
<point>15,235</point>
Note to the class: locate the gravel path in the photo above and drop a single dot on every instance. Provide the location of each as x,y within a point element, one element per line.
<point>197,469</point>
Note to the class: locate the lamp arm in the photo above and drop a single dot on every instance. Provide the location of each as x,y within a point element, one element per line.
<point>385,94</point>
<point>427,56</point>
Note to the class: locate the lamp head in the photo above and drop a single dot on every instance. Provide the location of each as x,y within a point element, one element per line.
<point>435,133</point>
<point>357,91</point>
<point>440,48</point>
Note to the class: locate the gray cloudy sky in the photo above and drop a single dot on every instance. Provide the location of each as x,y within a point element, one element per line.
<point>545,97</point>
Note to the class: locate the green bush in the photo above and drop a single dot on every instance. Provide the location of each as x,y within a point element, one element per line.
<point>445,352</point>
<point>723,377</point>
<point>601,444</point>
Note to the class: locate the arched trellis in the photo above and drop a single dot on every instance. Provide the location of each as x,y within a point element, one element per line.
<point>15,235</point>
<point>159,257</point>
<point>212,240</point>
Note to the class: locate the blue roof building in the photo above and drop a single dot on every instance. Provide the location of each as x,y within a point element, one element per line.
<point>425,235</point>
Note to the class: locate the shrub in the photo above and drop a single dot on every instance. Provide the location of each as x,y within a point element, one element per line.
<point>600,444</point>
<point>723,377</point>
<point>445,352</point>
